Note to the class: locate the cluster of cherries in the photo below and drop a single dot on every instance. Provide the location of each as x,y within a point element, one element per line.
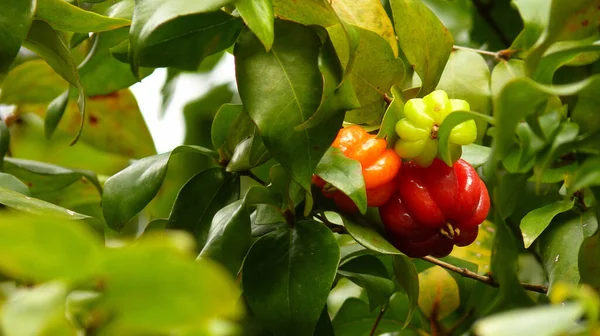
<point>427,206</point>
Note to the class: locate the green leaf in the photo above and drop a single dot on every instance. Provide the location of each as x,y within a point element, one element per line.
<point>286,98</point>
<point>319,13</point>
<point>476,155</point>
<point>371,274</point>
<point>37,311</point>
<point>259,17</point>
<point>14,26</point>
<point>28,142</point>
<point>406,275</point>
<point>63,16</point>
<point>427,45</point>
<point>588,265</point>
<point>10,182</point>
<point>525,96</point>
<point>452,120</point>
<point>129,191</point>
<point>244,147</point>
<point>195,208</point>
<point>288,274</point>
<point>559,247</point>
<point>536,221</point>
<point>222,122</point>
<point>367,236</point>
<point>543,320</point>
<point>32,82</point>
<point>467,76</point>
<point>369,15</point>
<point>4,143</point>
<point>394,112</point>
<point>100,72</point>
<point>566,20</point>
<point>504,267</point>
<point>587,175</point>
<point>179,33</point>
<point>345,174</point>
<point>43,177</point>
<point>229,237</point>
<point>535,14</point>
<point>34,206</point>
<point>551,62</point>
<point>54,113</point>
<point>375,70</point>
<point>504,72</point>
<point>154,287</point>
<point>335,100</point>
<point>45,41</point>
<point>39,249</point>
<point>356,319</point>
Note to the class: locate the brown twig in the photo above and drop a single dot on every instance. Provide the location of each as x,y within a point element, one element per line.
<point>482,278</point>
<point>502,55</point>
<point>387,98</point>
<point>377,320</point>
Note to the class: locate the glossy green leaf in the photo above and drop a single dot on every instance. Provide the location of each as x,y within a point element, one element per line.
<point>37,311</point>
<point>393,113</point>
<point>39,249</point>
<point>362,231</point>
<point>355,318</point>
<point>320,13</point>
<point>54,113</point>
<point>544,320</point>
<point>369,15</point>
<point>100,72</point>
<point>10,182</point>
<point>559,248</point>
<point>504,267</point>
<point>504,72</point>
<point>14,26</point>
<point>258,15</point>
<point>43,177</point>
<point>525,96</point>
<point>46,42</point>
<point>288,95</point>
<point>536,221</point>
<point>32,82</point>
<point>34,206</point>
<point>244,146</point>
<point>288,274</point>
<point>129,191</point>
<point>427,45</point>
<point>467,76</point>
<point>452,120</point>
<point>535,14</point>
<point>375,70</point>
<point>66,17</point>
<point>551,62</point>
<point>4,142</point>
<point>225,117</point>
<point>476,155</point>
<point>587,175</point>
<point>406,275</point>
<point>371,274</point>
<point>200,199</point>
<point>144,300</point>
<point>335,100</point>
<point>588,265</point>
<point>345,174</point>
<point>179,33</point>
<point>566,20</point>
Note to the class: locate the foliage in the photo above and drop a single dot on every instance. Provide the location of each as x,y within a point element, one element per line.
<point>225,235</point>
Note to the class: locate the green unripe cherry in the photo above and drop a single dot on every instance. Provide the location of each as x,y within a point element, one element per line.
<point>422,120</point>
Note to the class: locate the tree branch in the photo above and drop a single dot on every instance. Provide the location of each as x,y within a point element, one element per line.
<point>482,278</point>
<point>377,320</point>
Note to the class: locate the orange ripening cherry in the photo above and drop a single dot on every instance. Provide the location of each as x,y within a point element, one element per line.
<point>380,165</point>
